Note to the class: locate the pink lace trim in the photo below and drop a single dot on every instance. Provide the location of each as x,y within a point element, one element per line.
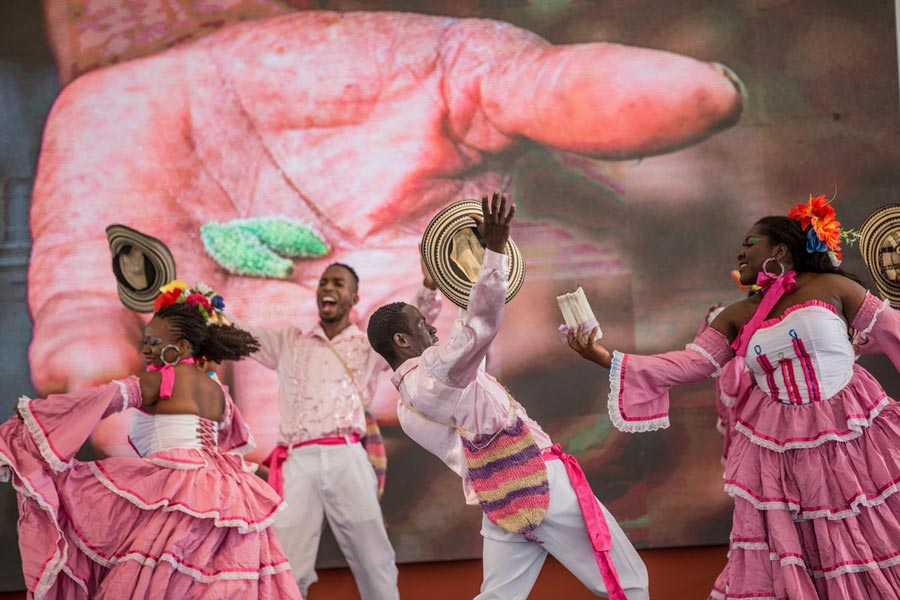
<point>39,435</point>
<point>838,569</point>
<point>717,594</point>
<point>720,426</point>
<point>749,543</point>
<point>734,488</point>
<point>78,580</point>
<point>56,562</point>
<point>702,352</point>
<point>867,315</point>
<point>615,402</point>
<point>126,399</point>
<point>243,448</point>
<point>178,563</point>
<point>751,596</point>
<point>856,423</point>
<point>168,504</point>
<point>727,400</point>
<point>795,308</point>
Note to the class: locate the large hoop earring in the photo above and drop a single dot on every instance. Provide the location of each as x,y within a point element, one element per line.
<point>770,275</point>
<point>162,355</point>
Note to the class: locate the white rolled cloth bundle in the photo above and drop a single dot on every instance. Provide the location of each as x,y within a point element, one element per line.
<point>577,311</point>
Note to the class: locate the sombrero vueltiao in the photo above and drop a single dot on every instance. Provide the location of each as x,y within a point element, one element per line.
<point>453,253</point>
<point>141,265</point>
<point>879,243</point>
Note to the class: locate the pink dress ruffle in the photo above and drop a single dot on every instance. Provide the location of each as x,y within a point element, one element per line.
<point>843,417</point>
<point>180,523</point>
<point>733,390</point>
<point>816,510</point>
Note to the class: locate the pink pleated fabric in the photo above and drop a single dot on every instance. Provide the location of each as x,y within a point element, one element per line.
<point>180,523</point>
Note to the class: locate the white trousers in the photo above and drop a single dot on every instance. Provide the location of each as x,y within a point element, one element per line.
<point>512,563</point>
<point>336,482</point>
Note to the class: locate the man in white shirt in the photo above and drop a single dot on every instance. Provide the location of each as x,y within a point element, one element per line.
<point>327,375</point>
<point>445,393</point>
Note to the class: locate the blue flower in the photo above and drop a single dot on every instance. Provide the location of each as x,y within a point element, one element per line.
<point>813,243</point>
<point>218,302</point>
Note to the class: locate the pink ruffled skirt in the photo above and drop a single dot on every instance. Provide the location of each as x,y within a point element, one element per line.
<point>817,514</point>
<point>182,523</point>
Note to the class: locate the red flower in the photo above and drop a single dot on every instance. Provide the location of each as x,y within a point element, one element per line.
<point>166,298</point>
<point>200,300</point>
<point>815,208</point>
<point>801,213</point>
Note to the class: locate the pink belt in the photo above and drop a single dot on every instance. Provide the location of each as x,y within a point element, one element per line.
<point>275,459</point>
<point>594,520</point>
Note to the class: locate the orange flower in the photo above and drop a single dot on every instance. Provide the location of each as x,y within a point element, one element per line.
<point>819,214</point>
<point>828,229</point>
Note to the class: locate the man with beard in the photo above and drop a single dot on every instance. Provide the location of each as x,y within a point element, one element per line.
<point>327,374</point>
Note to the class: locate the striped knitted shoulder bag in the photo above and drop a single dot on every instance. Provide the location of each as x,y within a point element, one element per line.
<point>507,472</point>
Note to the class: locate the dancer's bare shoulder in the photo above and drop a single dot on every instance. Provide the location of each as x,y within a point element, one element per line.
<point>730,320</point>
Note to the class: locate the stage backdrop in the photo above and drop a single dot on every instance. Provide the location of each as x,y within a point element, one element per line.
<point>635,174</point>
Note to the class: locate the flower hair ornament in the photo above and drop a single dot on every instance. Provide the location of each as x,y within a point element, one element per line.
<point>209,303</point>
<point>823,231</point>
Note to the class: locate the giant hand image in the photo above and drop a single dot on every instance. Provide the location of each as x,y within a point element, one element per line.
<point>359,125</point>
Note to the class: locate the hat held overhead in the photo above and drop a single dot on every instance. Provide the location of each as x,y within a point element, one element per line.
<point>141,265</point>
<point>453,253</point>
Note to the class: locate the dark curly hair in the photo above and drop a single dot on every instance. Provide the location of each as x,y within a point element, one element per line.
<point>383,324</point>
<point>787,231</point>
<point>212,342</point>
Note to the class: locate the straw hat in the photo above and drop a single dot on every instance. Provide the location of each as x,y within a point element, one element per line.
<point>453,253</point>
<point>879,243</point>
<point>141,264</point>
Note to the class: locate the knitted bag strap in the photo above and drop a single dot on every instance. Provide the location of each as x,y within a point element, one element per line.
<point>460,430</point>
<point>348,371</point>
<point>372,441</point>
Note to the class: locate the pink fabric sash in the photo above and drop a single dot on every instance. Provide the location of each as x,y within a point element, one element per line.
<point>773,290</point>
<point>168,377</point>
<point>275,460</point>
<point>594,520</point>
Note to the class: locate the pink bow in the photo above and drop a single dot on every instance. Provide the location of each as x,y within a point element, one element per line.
<point>167,372</point>
<point>773,290</point>
<point>764,281</point>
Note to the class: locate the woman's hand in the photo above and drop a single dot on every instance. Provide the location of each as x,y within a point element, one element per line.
<point>584,344</point>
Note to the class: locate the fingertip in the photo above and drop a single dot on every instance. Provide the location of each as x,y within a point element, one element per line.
<point>740,98</point>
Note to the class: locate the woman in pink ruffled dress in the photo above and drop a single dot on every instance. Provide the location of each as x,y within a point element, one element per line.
<point>188,518</point>
<point>813,462</point>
